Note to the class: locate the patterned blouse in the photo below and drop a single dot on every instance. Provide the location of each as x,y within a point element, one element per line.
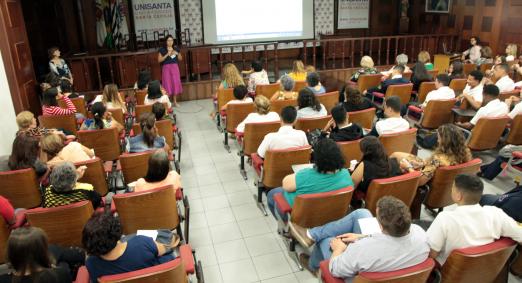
<point>81,192</point>
<point>281,95</point>
<point>362,71</point>
<point>257,78</point>
<point>430,165</point>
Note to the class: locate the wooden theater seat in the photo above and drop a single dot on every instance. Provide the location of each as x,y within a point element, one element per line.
<point>140,109</point>
<point>308,124</point>
<point>515,131</point>
<point>362,117</point>
<point>140,96</point>
<point>78,102</point>
<point>403,91</point>
<point>224,95</point>
<point>403,187</point>
<point>435,114</point>
<point>516,265</point>
<point>365,82</point>
<point>267,90</point>
<point>329,100</point>
<point>468,68</point>
<point>399,142</point>
<point>236,113</point>
<point>299,85</point>
<point>21,188</point>
<point>105,142</point>
<point>117,115</point>
<point>134,165</point>
<point>458,85</point>
<point>406,75</point>
<point>486,133</point>
<point>61,122</point>
<point>424,89</point>
<point>4,236</point>
<point>351,150</point>
<point>433,73</point>
<point>95,174</point>
<point>507,94</point>
<point>278,105</point>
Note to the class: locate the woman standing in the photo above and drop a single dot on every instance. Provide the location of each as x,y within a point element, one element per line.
<point>58,65</point>
<point>168,57</point>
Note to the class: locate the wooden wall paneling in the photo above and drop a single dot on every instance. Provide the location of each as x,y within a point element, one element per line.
<point>199,90</point>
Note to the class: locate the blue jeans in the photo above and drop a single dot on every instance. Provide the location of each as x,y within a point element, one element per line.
<point>271,203</point>
<point>322,235</point>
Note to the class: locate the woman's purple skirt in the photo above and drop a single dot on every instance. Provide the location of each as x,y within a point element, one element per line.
<point>170,79</point>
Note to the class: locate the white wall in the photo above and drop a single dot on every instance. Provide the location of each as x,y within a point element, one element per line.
<point>8,126</point>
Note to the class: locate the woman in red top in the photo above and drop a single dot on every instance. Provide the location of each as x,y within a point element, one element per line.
<point>50,103</point>
<point>7,211</point>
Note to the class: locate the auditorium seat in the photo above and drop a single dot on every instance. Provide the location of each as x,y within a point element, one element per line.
<point>424,89</point>
<point>362,117</point>
<point>407,75</point>
<point>403,91</point>
<point>118,116</point>
<point>433,73</point>
<point>4,236</point>
<point>368,81</point>
<point>485,66</point>
<point>486,133</point>
<point>477,264</point>
<point>414,274</point>
<point>62,122</point>
<point>236,113</point>
<point>512,169</point>
<point>95,174</point>
<point>515,131</point>
<point>468,67</point>
<point>329,100</point>
<point>351,150</point>
<point>63,224</point>
<point>134,165</point>
<point>458,85</point>
<point>399,142</point>
<point>278,105</point>
<point>78,102</point>
<point>507,94</point>
<point>299,85</point>
<point>435,114</point>
<point>403,187</point>
<point>21,188</point>
<point>250,140</point>
<point>105,142</point>
<point>516,265</point>
<point>140,109</point>
<point>308,124</point>
<point>224,95</point>
<point>267,90</point>
<point>276,165</point>
<point>140,96</point>
<point>312,210</point>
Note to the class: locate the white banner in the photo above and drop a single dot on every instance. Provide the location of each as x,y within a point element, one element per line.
<point>154,15</point>
<point>353,14</point>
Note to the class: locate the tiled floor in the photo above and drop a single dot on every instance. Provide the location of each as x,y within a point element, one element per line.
<point>233,239</point>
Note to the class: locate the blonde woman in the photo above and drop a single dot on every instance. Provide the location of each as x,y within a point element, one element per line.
<point>298,71</point>
<point>425,58</point>
<point>285,93</point>
<point>231,79</point>
<point>262,113</point>
<point>511,52</point>
<point>367,67</point>
<point>111,98</point>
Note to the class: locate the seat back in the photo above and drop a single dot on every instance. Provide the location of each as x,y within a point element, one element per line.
<point>140,109</point>
<point>507,94</point>
<point>351,150</point>
<point>468,67</point>
<point>224,95</point>
<point>416,273</point>
<point>485,66</point>
<point>105,142</point>
<point>94,175</point>
<point>134,165</point>
<point>278,164</point>
<point>312,210</point>
<point>4,236</point>
<point>255,133</point>
<point>165,130</point>
<point>403,187</point>
<point>278,105</point>
<point>433,73</point>
<point>368,81</point>
<point>78,102</point>
<point>308,124</point>
<point>236,113</point>
<point>399,142</point>
<point>267,90</point>
<point>299,85</point>
<point>329,100</point>
<point>516,265</point>
<point>439,195</point>
<point>424,89</point>
<point>403,91</point>
<point>140,96</point>
<point>171,271</point>
<point>406,75</point>
<point>486,133</point>
<point>63,224</point>
<point>458,85</point>
<point>515,131</point>
<point>437,113</point>
<point>477,264</point>
<point>63,122</point>
<point>147,210</point>
<point>363,117</point>
<point>21,188</point>
<point>117,115</point>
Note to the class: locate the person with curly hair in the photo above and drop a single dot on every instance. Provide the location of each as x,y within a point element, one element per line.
<point>308,106</point>
<point>109,253</point>
<point>328,174</point>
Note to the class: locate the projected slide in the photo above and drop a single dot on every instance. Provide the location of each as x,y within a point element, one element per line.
<point>249,19</point>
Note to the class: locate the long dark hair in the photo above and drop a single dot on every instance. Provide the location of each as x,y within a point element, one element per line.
<point>24,153</point>
<point>458,69</point>
<point>374,152</point>
<point>154,90</point>
<point>420,73</point>
<point>27,250</point>
<point>147,121</point>
<point>98,111</point>
<point>49,97</point>
<point>143,79</point>
<point>159,167</point>
<point>307,98</point>
<point>353,95</point>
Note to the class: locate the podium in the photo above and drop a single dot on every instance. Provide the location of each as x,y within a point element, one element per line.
<point>441,62</point>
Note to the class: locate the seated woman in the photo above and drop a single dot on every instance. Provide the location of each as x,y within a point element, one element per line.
<point>314,84</point>
<point>262,113</point>
<point>155,93</point>
<point>57,152</point>
<point>511,52</point>
<point>286,92</point>
<point>298,71</point>
<point>328,174</point>
<point>149,138</point>
<point>67,89</point>
<point>240,95</point>
<point>401,59</point>
<point>424,57</point>
<point>64,188</point>
<point>50,103</point>
<point>231,79</point>
<point>102,119</point>
<point>486,56</point>
<point>110,254</point>
<point>456,70</point>
<point>367,68</point>
<point>144,77</point>
<point>256,76</point>
<point>498,60</point>
<point>159,173</point>
<point>26,154</point>
<point>308,106</point>
<point>111,98</point>
<point>451,150</point>
<point>420,75</point>
<point>355,101</point>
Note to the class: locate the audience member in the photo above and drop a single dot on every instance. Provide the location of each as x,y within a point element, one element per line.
<point>473,52</point>
<point>393,122</point>
<point>111,98</point>
<point>339,127</point>
<point>262,113</point>
<point>57,152</point>
<point>314,84</point>
<point>57,65</point>
<point>102,119</point>
<point>309,106</point>
<point>298,71</point>
<point>240,95</point>
<point>109,253</point>
<point>159,111</point>
<point>400,60</point>
<point>25,154</point>
<point>424,57</point>
<point>144,77</point>
<point>510,202</point>
<point>419,75</point>
<point>396,79</point>
<point>469,224</point>
<point>257,76</point>
<point>50,103</point>
<point>155,93</point>
<point>67,89</point>
<point>286,136</point>
<point>367,68</point>
<point>27,125</point>
<point>286,92</point>
<point>516,109</point>
<point>148,138</point>
<point>354,100</point>
<point>504,82</point>
<point>456,70</point>
<point>473,90</point>
<point>493,107</point>
<point>231,77</point>
<point>328,174</point>
<point>486,56</point>
<point>159,173</point>
<point>442,90</point>
<point>511,52</point>
<point>490,171</point>
<point>64,188</point>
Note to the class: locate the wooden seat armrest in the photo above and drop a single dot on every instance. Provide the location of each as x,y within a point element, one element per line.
<point>325,273</point>
<point>282,204</point>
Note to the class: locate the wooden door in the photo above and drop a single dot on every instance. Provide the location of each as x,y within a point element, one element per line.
<point>16,54</point>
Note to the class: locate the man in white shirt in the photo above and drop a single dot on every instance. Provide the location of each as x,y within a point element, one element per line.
<point>518,106</point>
<point>286,136</point>
<point>504,82</point>
<point>469,224</point>
<point>441,92</point>
<point>473,90</point>
<point>393,123</point>
<point>493,107</point>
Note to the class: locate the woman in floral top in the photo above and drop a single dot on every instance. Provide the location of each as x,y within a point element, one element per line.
<point>451,150</point>
<point>366,68</point>
<point>257,76</point>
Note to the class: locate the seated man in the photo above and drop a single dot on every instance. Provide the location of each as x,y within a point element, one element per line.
<point>396,79</point>
<point>493,107</point>
<point>400,245</point>
<point>240,95</point>
<point>509,202</point>
<point>469,224</point>
<point>339,127</point>
<point>504,82</point>
<point>473,90</point>
<point>286,136</point>
<point>393,123</point>
<point>441,92</point>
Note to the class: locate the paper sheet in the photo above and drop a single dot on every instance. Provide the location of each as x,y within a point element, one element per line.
<point>369,226</point>
<point>298,167</point>
<point>148,233</point>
